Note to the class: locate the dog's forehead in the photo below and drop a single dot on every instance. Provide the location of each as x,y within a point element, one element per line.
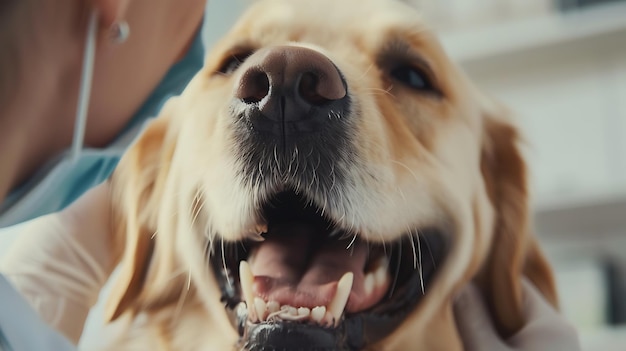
<point>327,22</point>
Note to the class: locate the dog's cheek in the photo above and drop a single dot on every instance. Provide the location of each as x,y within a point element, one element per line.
<point>208,163</point>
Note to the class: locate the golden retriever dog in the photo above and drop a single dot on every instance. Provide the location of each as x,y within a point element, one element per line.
<point>328,181</point>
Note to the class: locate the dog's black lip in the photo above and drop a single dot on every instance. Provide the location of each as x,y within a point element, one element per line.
<point>356,330</point>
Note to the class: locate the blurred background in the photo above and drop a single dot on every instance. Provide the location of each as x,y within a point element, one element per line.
<point>561,66</point>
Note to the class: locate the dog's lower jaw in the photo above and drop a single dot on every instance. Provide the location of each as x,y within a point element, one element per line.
<point>354,332</point>
<point>416,333</point>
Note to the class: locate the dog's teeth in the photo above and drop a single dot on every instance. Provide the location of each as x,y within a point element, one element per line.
<point>344,287</point>
<point>242,309</point>
<point>381,272</point>
<point>289,310</point>
<point>304,311</point>
<point>288,313</point>
<point>368,283</point>
<point>260,306</point>
<point>273,306</point>
<point>318,313</point>
<point>329,320</point>
<point>246,278</point>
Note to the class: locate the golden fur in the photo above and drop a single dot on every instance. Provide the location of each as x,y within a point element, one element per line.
<point>450,161</point>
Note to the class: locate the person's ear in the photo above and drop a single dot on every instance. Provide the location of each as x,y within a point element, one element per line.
<point>111,11</point>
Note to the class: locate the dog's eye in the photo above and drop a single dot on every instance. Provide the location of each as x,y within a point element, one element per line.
<point>412,77</point>
<point>233,61</point>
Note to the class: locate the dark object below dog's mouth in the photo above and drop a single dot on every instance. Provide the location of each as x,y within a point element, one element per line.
<point>313,286</point>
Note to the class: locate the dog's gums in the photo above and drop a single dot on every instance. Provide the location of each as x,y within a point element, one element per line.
<point>308,277</point>
<point>261,310</point>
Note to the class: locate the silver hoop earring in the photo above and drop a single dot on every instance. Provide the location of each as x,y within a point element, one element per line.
<point>119,32</point>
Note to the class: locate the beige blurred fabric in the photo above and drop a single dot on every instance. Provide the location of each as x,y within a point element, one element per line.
<point>546,329</point>
<point>60,262</point>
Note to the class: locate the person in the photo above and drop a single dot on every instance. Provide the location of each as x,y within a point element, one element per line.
<point>40,78</point>
<point>41,58</point>
<point>56,268</point>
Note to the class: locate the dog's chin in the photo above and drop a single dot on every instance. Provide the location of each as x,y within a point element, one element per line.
<point>310,285</point>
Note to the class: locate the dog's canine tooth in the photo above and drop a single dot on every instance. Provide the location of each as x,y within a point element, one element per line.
<point>245,279</point>
<point>304,311</point>
<point>338,303</point>
<point>318,313</point>
<point>273,306</point>
<point>260,307</point>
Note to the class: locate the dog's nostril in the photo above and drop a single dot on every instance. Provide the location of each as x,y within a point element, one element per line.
<point>253,87</point>
<point>308,89</point>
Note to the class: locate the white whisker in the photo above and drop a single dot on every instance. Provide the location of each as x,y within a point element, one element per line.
<point>198,205</point>
<point>369,68</point>
<point>430,251</point>
<point>419,252</point>
<point>224,265</point>
<point>182,298</point>
<point>378,91</point>
<point>352,242</point>
<point>414,253</point>
<point>397,270</point>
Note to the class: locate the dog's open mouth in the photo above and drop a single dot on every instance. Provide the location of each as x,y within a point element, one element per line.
<point>311,285</point>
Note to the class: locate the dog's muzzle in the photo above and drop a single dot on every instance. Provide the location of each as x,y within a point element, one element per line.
<point>293,120</point>
<point>313,283</point>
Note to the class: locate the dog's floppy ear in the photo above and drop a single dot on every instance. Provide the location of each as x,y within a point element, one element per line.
<point>514,252</point>
<point>138,184</point>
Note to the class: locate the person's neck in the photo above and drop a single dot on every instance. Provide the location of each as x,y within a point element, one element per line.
<point>10,161</point>
<point>27,124</point>
<point>37,86</point>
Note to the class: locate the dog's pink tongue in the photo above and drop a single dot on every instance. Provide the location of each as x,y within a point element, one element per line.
<point>293,266</point>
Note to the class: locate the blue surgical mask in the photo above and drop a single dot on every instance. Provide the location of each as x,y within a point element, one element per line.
<point>62,180</point>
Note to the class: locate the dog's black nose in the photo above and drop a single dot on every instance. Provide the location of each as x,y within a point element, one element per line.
<point>295,90</point>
